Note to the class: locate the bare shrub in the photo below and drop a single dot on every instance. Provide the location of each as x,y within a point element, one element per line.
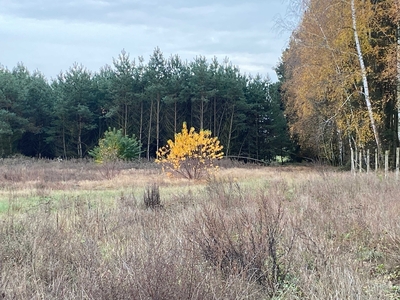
<point>225,191</point>
<point>151,197</point>
<point>249,242</point>
<point>110,169</point>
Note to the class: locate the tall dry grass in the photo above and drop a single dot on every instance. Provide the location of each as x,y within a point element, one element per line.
<point>284,233</point>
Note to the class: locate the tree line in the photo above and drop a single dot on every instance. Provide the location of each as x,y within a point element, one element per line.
<point>66,117</point>
<point>341,78</point>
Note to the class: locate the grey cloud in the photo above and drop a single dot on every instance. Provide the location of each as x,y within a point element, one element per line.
<point>92,32</point>
<point>202,14</point>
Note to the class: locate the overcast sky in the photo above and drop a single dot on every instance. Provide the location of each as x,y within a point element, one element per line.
<point>50,35</point>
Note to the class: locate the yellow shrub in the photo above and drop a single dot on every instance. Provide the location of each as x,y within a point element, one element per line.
<point>191,154</point>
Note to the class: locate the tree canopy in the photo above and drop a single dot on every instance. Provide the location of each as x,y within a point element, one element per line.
<point>150,100</point>
<point>340,78</point>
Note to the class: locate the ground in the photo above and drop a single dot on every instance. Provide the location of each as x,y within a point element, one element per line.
<point>74,229</point>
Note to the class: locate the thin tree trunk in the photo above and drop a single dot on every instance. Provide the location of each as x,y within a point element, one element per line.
<point>201,112</point>
<point>340,145</point>
<point>364,77</point>
<point>125,119</point>
<point>230,131</point>
<point>141,124</point>
<point>64,143</point>
<point>79,146</point>
<point>158,122</point>
<point>257,135</point>
<point>80,140</point>
<point>221,120</point>
<point>215,115</point>
<point>149,135</point>
<point>10,143</point>
<point>175,115</point>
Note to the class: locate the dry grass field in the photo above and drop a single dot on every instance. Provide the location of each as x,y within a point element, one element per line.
<point>74,230</point>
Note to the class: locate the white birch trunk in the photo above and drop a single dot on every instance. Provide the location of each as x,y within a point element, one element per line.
<point>397,162</point>
<point>352,160</point>
<point>364,76</point>
<point>398,81</point>
<point>386,163</point>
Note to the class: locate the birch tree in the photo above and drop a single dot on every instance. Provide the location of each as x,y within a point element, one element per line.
<point>339,84</point>
<point>364,76</point>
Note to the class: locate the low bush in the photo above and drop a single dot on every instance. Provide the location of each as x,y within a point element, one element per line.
<point>115,146</point>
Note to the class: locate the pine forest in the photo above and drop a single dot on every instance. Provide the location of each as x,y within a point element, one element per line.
<point>151,100</point>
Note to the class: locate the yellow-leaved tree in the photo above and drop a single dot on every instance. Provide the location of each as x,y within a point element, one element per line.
<point>191,154</point>
<point>340,78</point>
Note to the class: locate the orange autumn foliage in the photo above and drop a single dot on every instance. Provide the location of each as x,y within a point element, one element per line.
<point>323,91</point>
